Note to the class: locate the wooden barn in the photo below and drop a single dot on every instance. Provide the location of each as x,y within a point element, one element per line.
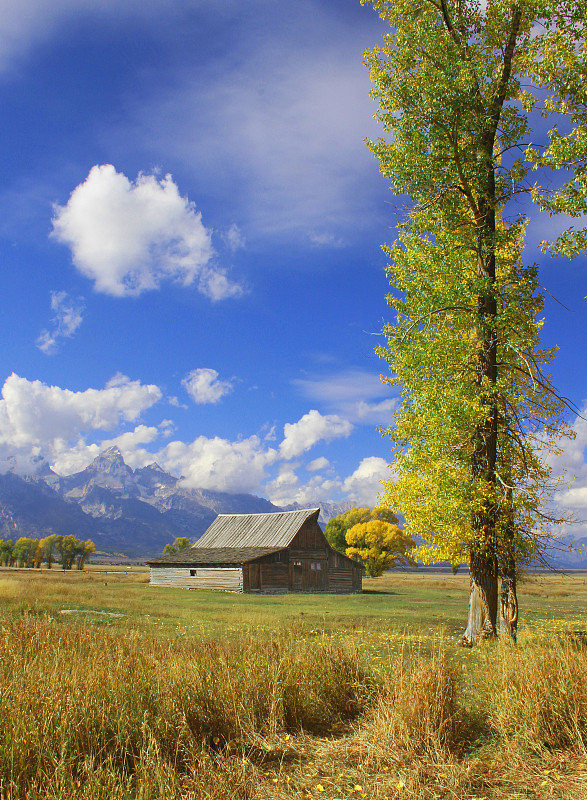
<point>266,553</point>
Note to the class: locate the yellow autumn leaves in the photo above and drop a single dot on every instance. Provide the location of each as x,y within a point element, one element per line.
<point>380,545</point>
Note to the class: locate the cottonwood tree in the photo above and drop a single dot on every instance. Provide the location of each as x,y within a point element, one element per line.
<point>337,527</point>
<point>25,552</point>
<point>380,545</point>
<point>83,552</point>
<point>457,82</point>
<point>70,550</point>
<point>6,548</point>
<point>179,545</point>
<point>47,546</point>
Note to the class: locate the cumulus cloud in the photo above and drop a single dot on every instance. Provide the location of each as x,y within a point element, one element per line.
<point>569,476</point>
<point>129,236</point>
<point>203,386</point>
<point>67,428</point>
<point>68,316</point>
<point>569,469</point>
<point>35,417</point>
<point>313,427</point>
<point>67,459</point>
<point>217,463</point>
<point>287,488</point>
<point>364,485</point>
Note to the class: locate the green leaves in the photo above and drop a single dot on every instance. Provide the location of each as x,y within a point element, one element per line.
<point>456,85</point>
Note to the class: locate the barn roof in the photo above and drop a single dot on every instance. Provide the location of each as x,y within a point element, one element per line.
<point>274,530</point>
<point>215,555</point>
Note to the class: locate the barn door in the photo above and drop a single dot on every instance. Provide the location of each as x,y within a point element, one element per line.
<point>317,575</point>
<point>295,575</point>
<point>254,577</point>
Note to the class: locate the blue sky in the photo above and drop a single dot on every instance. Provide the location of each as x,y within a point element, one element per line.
<point>190,225</point>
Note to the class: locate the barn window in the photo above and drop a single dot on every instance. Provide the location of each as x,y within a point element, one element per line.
<point>297,563</point>
<point>315,565</point>
<point>193,573</point>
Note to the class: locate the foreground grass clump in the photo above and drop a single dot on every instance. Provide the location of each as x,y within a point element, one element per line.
<point>78,699</point>
<point>539,695</point>
<point>418,712</point>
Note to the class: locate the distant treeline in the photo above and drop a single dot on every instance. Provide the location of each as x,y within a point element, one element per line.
<point>65,550</point>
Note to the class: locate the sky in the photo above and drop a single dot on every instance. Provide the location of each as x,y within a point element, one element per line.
<point>190,231</point>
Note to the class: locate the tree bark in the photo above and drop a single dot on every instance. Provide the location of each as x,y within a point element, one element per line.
<point>482,600</point>
<point>508,617</point>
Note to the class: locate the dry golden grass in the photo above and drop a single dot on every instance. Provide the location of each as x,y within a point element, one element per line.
<point>94,707</point>
<point>88,713</point>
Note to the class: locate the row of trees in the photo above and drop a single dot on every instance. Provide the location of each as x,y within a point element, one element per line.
<point>26,552</point>
<point>463,87</point>
<point>371,536</point>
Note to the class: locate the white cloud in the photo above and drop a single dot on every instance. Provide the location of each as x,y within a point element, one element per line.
<point>64,426</point>
<point>35,417</point>
<point>214,284</point>
<point>364,485</point>
<point>128,236</point>
<point>353,385</point>
<point>234,238</point>
<point>317,464</point>
<point>313,427</point>
<point>374,413</point>
<point>128,441</point>
<point>67,318</point>
<point>174,401</point>
<point>287,488</point>
<point>569,470</point>
<point>203,386</point>
<point>217,463</point>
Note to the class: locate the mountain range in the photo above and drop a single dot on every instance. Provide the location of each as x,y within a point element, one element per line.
<point>134,513</point>
<point>127,513</point>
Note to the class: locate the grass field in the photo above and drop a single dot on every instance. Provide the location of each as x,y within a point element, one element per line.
<point>110,688</point>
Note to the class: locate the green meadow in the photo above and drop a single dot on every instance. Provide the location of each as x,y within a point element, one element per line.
<point>415,603</point>
<point>111,688</point>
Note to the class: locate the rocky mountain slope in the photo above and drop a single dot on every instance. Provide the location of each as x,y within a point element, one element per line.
<point>126,512</point>
<point>135,513</point>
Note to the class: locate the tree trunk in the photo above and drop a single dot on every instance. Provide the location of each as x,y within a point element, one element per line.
<point>508,617</point>
<point>482,623</point>
<point>482,600</point>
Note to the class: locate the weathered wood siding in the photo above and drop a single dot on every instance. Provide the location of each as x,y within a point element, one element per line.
<point>344,575</point>
<point>228,579</point>
<point>309,540</point>
<point>267,575</point>
<point>308,558</point>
